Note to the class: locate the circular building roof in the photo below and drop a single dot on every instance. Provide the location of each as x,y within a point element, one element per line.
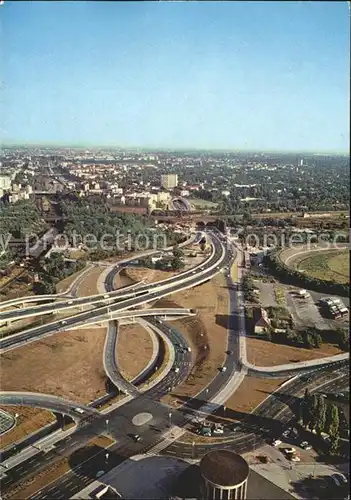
<point>224,468</point>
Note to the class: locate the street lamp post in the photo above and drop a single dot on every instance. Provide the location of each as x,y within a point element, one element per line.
<point>193,450</point>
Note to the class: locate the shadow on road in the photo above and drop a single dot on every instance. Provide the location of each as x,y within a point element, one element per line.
<point>250,422</point>
<point>292,402</point>
<point>91,461</point>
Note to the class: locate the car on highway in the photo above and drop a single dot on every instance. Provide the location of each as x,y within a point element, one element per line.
<point>79,410</point>
<point>136,437</point>
<point>63,322</point>
<point>100,473</point>
<point>230,352</point>
<point>70,302</point>
<point>176,369</point>
<point>223,369</point>
<point>106,296</point>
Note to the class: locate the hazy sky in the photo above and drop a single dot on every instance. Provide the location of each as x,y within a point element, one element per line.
<point>250,75</point>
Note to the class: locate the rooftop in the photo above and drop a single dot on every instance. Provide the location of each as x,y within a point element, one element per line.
<point>224,467</point>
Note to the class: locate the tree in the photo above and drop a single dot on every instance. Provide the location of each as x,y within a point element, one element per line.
<point>334,444</point>
<point>332,420</point>
<point>306,416</point>
<point>178,252</point>
<point>321,415</point>
<point>313,412</point>
<point>176,263</point>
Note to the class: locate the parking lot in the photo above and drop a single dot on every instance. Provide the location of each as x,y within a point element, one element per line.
<point>305,312</point>
<point>305,477</point>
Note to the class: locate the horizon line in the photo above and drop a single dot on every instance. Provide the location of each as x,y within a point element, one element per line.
<point>165,148</point>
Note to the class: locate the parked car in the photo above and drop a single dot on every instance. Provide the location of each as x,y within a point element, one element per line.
<point>305,445</point>
<point>276,442</point>
<point>218,430</point>
<point>136,437</point>
<point>290,450</point>
<point>206,431</point>
<point>295,458</point>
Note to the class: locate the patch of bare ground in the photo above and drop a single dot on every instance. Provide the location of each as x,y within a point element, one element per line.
<point>136,274</point>
<point>264,353</point>
<point>67,364</point>
<point>29,420</point>
<point>89,284</point>
<point>206,333</point>
<point>121,280</point>
<point>134,350</point>
<point>64,284</point>
<point>19,286</point>
<point>251,392</point>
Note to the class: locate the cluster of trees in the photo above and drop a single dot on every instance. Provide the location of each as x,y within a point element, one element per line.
<point>321,416</point>
<point>295,277</point>
<point>53,270</point>
<point>94,217</point>
<point>290,189</point>
<point>249,289</point>
<point>342,337</point>
<point>166,263</point>
<point>20,219</point>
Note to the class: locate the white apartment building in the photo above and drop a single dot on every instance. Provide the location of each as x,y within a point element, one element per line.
<point>169,181</point>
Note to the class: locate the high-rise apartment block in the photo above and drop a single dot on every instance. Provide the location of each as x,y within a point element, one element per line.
<point>169,181</point>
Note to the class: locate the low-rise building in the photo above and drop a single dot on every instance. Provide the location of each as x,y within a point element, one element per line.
<point>261,321</point>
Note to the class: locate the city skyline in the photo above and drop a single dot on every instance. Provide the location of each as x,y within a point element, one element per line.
<point>177,76</point>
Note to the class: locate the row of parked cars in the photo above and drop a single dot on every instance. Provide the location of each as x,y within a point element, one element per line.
<point>209,429</point>
<point>290,452</point>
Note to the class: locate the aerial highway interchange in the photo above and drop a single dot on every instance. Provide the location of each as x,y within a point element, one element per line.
<point>168,423</point>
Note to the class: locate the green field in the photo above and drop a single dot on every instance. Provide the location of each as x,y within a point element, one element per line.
<point>330,266</point>
<point>199,203</point>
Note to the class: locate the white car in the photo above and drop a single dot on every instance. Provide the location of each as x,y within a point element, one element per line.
<point>63,322</point>
<point>305,445</point>
<point>223,369</point>
<point>79,410</point>
<point>276,442</point>
<point>289,451</point>
<point>176,369</point>
<point>295,458</point>
<point>217,430</point>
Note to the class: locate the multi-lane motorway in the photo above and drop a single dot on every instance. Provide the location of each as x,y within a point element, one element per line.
<point>119,422</point>
<point>143,295</point>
